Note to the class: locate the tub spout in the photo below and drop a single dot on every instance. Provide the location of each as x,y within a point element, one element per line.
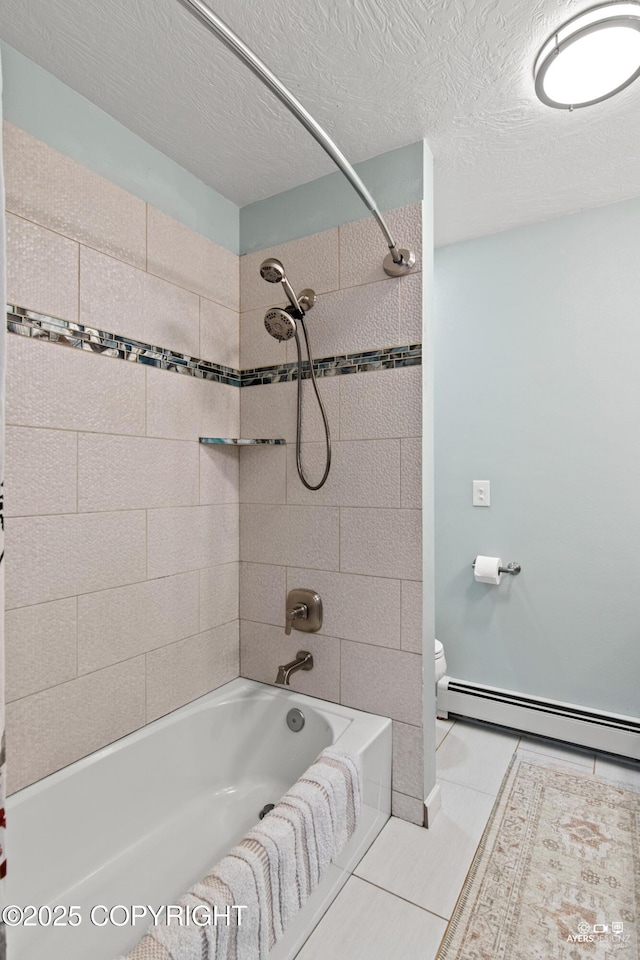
<point>303,661</point>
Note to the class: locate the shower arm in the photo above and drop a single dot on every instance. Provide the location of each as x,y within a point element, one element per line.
<point>398,262</point>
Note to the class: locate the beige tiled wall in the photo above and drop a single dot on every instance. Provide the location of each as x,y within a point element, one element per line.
<point>357,541</point>
<point>126,539</point>
<point>122,531</point>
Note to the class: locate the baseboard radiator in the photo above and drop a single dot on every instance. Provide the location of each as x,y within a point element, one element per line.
<point>583,726</point>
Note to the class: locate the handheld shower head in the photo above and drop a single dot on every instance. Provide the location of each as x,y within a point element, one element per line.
<point>272,271</point>
<point>280,323</point>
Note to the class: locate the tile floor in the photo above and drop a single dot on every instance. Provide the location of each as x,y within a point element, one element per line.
<point>403,892</point>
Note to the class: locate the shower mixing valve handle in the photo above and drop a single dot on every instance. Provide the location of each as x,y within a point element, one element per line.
<point>299,612</point>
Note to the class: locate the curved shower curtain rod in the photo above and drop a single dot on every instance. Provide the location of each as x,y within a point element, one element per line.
<point>398,262</point>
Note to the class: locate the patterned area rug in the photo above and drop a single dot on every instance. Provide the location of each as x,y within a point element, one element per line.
<point>557,873</point>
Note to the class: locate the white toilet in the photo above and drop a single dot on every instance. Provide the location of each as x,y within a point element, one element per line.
<point>441,663</point>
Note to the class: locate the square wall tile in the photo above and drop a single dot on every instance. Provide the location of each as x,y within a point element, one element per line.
<point>309,262</point>
<point>386,682</point>
<point>121,299</point>
<point>186,670</point>
<point>411,473</point>
<point>381,543</point>
<point>270,410</point>
<point>364,473</point>
<point>219,590</point>
<point>365,921</point>
<point>350,321</point>
<point>290,536</point>
<point>52,386</point>
<point>185,408</point>
<point>53,557</point>
<point>381,404</point>
<point>257,347</point>
<point>263,593</point>
<point>182,256</point>
<point>129,473</point>
<point>219,334</point>
<point>366,609</point>
<point>42,270</point>
<point>263,474</point>
<point>41,470</point>
<point>115,625</point>
<point>412,615</point>
<point>263,648</point>
<point>51,729</point>
<point>362,246</point>
<point>40,647</point>
<point>49,188</point>
<point>408,760</point>
<point>219,473</point>
<point>112,295</point>
<point>190,538</point>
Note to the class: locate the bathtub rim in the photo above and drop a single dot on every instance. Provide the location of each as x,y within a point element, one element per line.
<point>359,731</point>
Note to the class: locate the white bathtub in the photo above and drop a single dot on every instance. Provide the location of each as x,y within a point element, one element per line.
<point>141,820</point>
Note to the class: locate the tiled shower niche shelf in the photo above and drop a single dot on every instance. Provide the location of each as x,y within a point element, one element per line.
<point>238,442</point>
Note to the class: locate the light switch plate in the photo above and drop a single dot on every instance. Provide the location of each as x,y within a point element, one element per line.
<point>481,493</point>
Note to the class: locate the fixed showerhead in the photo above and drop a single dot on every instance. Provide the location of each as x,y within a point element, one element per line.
<point>280,323</point>
<point>272,271</point>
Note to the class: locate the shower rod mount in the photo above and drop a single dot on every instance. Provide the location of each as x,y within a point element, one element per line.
<point>399,261</point>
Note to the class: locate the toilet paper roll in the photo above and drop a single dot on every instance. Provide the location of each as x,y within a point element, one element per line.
<point>487,569</point>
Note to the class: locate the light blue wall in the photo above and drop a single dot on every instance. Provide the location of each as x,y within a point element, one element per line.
<point>39,103</point>
<point>537,351</point>
<point>395,179</point>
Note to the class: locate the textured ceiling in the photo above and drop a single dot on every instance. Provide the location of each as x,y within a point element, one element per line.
<point>375,74</point>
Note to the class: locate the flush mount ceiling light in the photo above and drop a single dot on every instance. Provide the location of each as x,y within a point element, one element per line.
<point>591,57</point>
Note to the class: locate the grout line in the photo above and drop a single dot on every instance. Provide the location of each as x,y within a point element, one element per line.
<point>391,893</point>
<point>446,734</point>
<point>466,786</point>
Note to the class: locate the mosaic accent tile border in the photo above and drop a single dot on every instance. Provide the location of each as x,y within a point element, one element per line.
<point>387,358</point>
<point>28,323</point>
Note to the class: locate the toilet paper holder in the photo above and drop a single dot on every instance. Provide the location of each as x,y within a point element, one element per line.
<point>512,568</point>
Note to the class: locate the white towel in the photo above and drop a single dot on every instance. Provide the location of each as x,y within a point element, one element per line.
<point>243,871</point>
<point>273,870</point>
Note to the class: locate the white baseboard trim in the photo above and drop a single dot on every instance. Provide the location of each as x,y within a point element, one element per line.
<point>568,722</point>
